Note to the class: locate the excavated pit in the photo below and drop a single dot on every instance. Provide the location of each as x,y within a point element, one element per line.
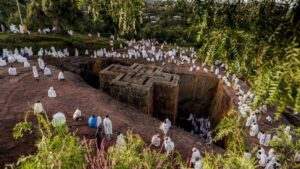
<point>172,91</point>
<point>198,93</point>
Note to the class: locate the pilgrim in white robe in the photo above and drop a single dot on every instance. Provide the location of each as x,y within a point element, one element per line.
<point>77,114</point>
<point>61,76</point>
<point>263,160</point>
<point>76,53</point>
<point>2,62</point>
<point>38,108</point>
<point>41,63</point>
<point>11,59</point>
<point>169,145</point>
<point>120,143</point>
<point>12,71</point>
<point>26,63</point>
<point>47,71</point>
<point>198,164</point>
<point>99,121</point>
<point>195,155</point>
<point>155,140</point>
<point>107,127</point>
<point>59,119</point>
<point>35,72</point>
<point>51,92</point>
<point>254,130</point>
<point>164,127</point>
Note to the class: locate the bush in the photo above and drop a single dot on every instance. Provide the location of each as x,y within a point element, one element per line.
<point>56,147</point>
<point>134,154</point>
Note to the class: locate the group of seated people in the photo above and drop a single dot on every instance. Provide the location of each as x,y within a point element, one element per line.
<point>198,126</point>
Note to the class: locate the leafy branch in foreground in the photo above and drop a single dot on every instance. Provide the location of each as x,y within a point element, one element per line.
<point>231,129</point>
<point>286,145</point>
<point>133,154</point>
<point>56,147</point>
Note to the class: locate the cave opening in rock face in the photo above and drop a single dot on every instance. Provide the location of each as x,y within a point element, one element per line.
<point>161,92</point>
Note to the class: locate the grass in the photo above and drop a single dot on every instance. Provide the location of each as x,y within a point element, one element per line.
<point>59,41</point>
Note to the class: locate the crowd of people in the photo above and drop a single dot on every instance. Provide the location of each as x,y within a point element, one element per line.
<point>151,51</point>
<point>200,127</point>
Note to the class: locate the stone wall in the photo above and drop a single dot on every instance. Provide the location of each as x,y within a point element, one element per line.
<point>221,104</point>
<point>147,88</point>
<point>201,94</point>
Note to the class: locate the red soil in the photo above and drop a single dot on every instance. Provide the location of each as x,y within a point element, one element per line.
<point>18,94</point>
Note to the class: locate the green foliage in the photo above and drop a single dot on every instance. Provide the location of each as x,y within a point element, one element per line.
<point>285,147</point>
<point>37,41</point>
<point>125,15</point>
<point>134,154</point>
<point>230,160</point>
<point>61,14</point>
<point>56,147</point>
<point>258,41</point>
<point>21,128</point>
<point>231,129</point>
<point>9,12</point>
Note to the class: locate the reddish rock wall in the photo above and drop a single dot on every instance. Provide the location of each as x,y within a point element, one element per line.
<point>147,88</point>
<point>221,104</point>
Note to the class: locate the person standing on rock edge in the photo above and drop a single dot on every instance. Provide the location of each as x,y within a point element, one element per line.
<point>107,127</point>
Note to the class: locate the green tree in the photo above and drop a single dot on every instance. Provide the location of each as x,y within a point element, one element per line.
<point>125,15</point>
<point>56,147</point>
<point>62,14</point>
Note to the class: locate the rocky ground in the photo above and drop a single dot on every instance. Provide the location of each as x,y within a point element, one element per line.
<point>18,94</point>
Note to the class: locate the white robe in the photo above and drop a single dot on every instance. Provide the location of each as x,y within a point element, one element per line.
<point>262,138</point>
<point>120,143</point>
<point>254,130</point>
<point>51,92</point>
<point>11,59</point>
<point>169,146</point>
<point>77,114</point>
<point>26,63</point>
<point>196,154</point>
<point>261,151</point>
<point>263,160</point>
<point>270,164</point>
<point>61,76</point>
<point>38,108</point>
<point>198,165</point>
<point>271,154</point>
<point>2,62</point>
<point>99,121</point>
<point>41,63</point>
<point>35,72</point>
<point>107,126</point>
<point>12,71</point>
<point>250,120</point>
<point>155,140</point>
<point>47,71</point>
<point>164,127</point>
<point>59,119</point>
<point>267,140</point>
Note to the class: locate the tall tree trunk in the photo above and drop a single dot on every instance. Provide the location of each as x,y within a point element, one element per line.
<point>21,20</point>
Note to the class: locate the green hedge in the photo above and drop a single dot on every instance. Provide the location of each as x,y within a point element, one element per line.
<point>37,41</point>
